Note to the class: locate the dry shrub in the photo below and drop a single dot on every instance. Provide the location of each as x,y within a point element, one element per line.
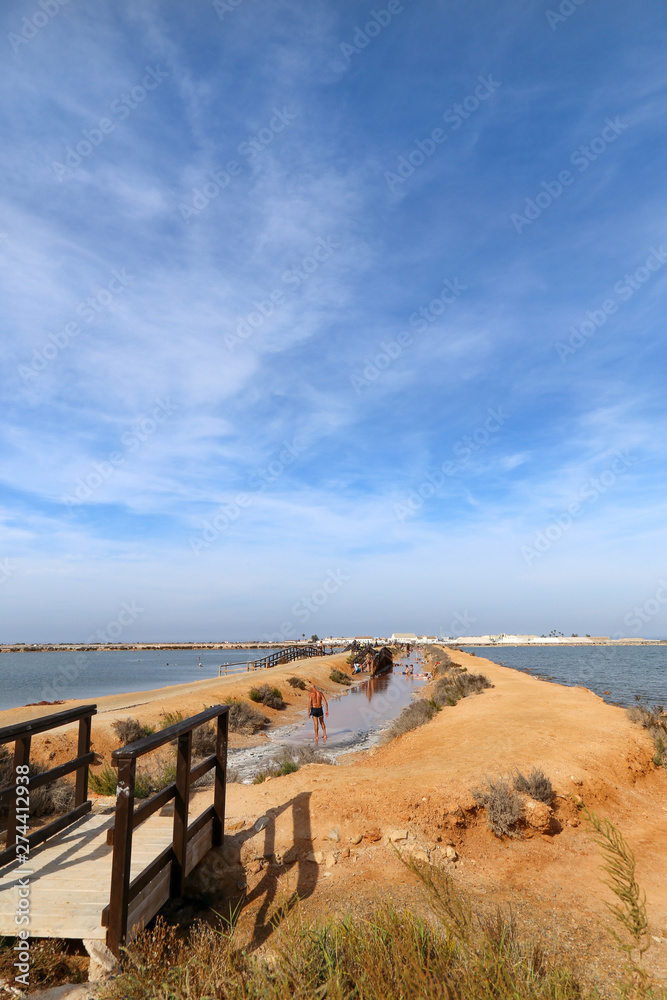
<point>130,730</point>
<point>170,719</point>
<point>339,678</point>
<point>243,718</point>
<point>537,785</point>
<point>204,739</point>
<point>653,719</point>
<point>267,695</point>
<point>296,682</point>
<point>454,686</point>
<point>50,964</point>
<point>53,799</point>
<point>503,808</point>
<point>383,954</point>
<point>413,715</point>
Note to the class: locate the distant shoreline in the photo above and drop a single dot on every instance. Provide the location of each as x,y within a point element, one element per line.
<point>553,645</point>
<point>129,647</point>
<point>74,647</point>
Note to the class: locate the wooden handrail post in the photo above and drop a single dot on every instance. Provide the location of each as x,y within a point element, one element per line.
<point>82,772</point>
<point>21,756</point>
<point>181,805</point>
<point>220,779</point>
<point>122,854</point>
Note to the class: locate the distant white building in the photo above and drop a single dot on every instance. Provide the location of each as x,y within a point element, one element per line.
<point>406,637</point>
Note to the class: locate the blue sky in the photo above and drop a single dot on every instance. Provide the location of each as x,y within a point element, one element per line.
<point>222,405</point>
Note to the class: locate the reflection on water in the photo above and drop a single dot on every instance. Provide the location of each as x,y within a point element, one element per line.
<point>356,719</point>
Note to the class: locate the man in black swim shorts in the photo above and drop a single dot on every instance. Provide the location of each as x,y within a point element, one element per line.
<point>315,710</point>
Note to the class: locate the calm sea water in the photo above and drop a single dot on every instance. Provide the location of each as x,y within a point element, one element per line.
<point>31,677</point>
<point>616,673</point>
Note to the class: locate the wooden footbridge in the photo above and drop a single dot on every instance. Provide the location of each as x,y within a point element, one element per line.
<point>102,877</point>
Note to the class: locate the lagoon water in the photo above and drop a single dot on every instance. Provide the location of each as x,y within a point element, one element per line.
<point>31,677</point>
<point>616,673</point>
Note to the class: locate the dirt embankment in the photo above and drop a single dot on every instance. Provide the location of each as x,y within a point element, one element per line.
<point>330,827</point>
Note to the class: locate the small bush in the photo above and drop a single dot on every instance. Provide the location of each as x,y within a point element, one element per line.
<point>653,719</point>
<point>245,719</point>
<point>55,798</point>
<point>296,682</point>
<point>266,695</point>
<point>537,785</point>
<point>170,719</point>
<point>104,781</point>
<point>452,687</point>
<point>204,739</point>
<point>413,715</point>
<point>502,805</point>
<point>131,730</point>
<point>339,678</point>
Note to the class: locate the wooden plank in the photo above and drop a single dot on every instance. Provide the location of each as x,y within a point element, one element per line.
<point>148,902</point>
<point>21,758</point>
<point>220,785</point>
<point>181,807</point>
<point>201,769</point>
<point>83,750</point>
<point>122,854</point>
<point>44,832</point>
<point>199,846</point>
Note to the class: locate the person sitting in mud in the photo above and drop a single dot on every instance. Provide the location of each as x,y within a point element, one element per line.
<point>315,710</point>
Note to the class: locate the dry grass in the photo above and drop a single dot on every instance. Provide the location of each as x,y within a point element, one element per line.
<point>290,760</point>
<point>413,715</point>
<point>391,954</point>
<point>339,678</point>
<point>454,686</point>
<point>447,690</point>
<point>50,964</point>
<point>296,682</point>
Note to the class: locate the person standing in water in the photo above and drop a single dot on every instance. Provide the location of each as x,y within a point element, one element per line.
<point>315,710</point>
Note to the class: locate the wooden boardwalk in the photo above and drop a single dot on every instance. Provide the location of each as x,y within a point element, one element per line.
<point>70,880</point>
<point>100,876</point>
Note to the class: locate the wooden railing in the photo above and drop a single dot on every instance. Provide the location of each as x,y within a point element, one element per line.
<point>133,903</point>
<point>286,655</point>
<point>21,735</point>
